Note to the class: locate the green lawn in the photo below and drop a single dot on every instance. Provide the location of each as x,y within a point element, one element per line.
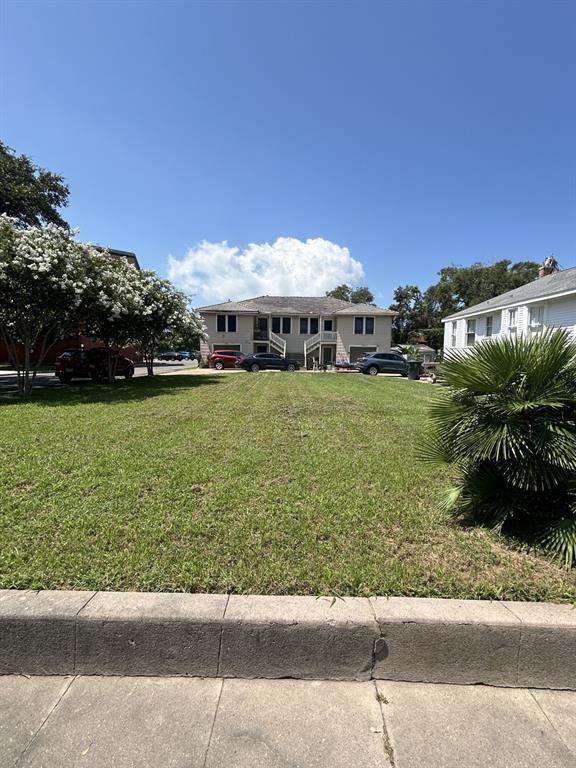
<point>262,483</point>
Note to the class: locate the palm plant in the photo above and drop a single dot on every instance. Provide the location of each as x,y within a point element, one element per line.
<point>506,421</point>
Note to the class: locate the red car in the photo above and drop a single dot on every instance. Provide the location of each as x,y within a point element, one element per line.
<point>225,358</point>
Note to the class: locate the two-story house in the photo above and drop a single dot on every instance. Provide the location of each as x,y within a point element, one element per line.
<point>302,327</point>
<point>548,302</point>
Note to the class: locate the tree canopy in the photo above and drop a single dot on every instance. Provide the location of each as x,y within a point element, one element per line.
<point>420,312</point>
<point>28,193</point>
<point>360,295</point>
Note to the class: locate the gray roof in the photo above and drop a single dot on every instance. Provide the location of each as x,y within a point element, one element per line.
<point>297,305</point>
<point>541,288</point>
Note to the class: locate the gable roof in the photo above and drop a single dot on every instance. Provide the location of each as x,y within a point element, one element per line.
<point>296,305</point>
<point>541,288</point>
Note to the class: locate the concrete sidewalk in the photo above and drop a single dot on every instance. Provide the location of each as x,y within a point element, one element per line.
<point>176,722</point>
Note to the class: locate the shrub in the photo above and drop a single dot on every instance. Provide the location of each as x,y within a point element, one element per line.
<point>506,421</point>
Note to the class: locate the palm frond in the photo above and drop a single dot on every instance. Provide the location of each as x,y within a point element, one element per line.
<point>559,538</point>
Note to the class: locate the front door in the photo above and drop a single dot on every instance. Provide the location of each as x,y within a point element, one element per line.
<point>327,355</point>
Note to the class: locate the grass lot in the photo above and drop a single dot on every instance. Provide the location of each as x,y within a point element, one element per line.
<point>267,483</point>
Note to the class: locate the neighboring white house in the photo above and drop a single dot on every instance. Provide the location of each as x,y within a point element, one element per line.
<point>303,327</point>
<point>548,302</point>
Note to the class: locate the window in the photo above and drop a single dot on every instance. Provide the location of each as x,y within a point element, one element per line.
<point>470,333</point>
<point>286,325</point>
<point>313,325</point>
<point>453,334</point>
<point>489,326</point>
<point>512,321</point>
<point>328,325</point>
<point>536,319</point>
<point>275,325</point>
<point>364,325</point>
<point>221,323</point>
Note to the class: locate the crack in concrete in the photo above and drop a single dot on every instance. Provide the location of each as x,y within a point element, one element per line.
<point>43,723</point>
<point>386,740</point>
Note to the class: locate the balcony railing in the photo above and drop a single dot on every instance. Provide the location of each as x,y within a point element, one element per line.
<point>260,334</point>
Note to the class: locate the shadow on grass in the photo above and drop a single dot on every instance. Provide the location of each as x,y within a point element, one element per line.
<point>86,392</point>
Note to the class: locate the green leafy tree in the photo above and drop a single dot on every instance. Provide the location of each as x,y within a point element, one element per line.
<point>359,295</point>
<point>408,306</point>
<point>420,313</point>
<point>461,287</point>
<point>362,295</point>
<point>506,422</point>
<point>28,193</point>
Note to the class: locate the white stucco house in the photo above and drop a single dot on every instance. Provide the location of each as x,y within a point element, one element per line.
<point>303,327</point>
<point>548,302</point>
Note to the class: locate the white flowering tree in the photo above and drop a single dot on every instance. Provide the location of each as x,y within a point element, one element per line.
<point>45,277</point>
<point>164,315</point>
<point>115,305</point>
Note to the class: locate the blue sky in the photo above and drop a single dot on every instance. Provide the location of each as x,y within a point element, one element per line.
<point>395,137</point>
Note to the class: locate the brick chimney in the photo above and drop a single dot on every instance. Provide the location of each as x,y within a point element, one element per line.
<point>549,266</point>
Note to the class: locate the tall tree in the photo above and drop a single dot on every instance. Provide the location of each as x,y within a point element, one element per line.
<point>360,295</point>
<point>458,287</point>
<point>28,193</point>
<point>408,306</point>
<point>342,292</point>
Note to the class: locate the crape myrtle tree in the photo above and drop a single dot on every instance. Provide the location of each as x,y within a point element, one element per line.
<point>45,279</point>
<point>117,301</point>
<point>164,315</point>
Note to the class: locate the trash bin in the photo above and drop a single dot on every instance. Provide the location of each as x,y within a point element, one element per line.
<point>414,369</point>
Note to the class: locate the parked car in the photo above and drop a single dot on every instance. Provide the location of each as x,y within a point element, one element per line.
<point>382,362</point>
<point>91,364</point>
<point>265,361</point>
<point>189,356</point>
<point>170,356</point>
<point>225,358</point>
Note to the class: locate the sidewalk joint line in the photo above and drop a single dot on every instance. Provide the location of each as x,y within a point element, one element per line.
<point>221,635</point>
<point>213,724</point>
<point>556,731</point>
<point>43,723</point>
<point>92,596</point>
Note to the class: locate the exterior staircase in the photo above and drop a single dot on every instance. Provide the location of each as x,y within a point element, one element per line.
<point>277,344</point>
<point>314,342</point>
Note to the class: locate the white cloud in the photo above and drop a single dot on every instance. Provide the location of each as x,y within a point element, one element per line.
<point>218,271</point>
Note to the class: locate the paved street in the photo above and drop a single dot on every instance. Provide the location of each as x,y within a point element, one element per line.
<point>115,722</point>
<point>8,379</point>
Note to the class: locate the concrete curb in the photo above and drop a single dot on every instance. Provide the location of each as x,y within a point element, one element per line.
<point>248,636</point>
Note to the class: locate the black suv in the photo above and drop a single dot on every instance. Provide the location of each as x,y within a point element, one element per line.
<point>91,364</point>
<point>382,362</point>
<point>265,361</point>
